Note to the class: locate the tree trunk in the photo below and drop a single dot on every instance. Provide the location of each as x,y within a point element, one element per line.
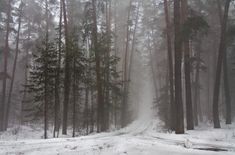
<point>4,81</point>
<point>178,65</point>
<point>115,101</point>
<point>100,100</point>
<point>222,48</point>
<point>197,85</point>
<point>225,74</point>
<point>124,108</point>
<point>57,80</point>
<point>46,91</point>
<point>170,65</point>
<point>86,114</point>
<point>67,72</point>
<point>74,95</point>
<point>25,74</point>
<point>14,65</point>
<point>187,69</point>
<point>227,90</point>
<point>107,65</point>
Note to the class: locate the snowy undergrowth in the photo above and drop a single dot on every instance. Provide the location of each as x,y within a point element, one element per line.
<point>141,137</point>
<point>32,131</point>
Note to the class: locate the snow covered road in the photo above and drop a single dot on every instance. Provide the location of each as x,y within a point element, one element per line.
<point>130,141</point>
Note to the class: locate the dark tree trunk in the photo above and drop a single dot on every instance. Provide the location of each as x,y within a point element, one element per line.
<point>100,99</point>
<point>115,101</point>
<point>222,48</point>
<point>46,91</point>
<point>92,112</point>
<point>227,90</point>
<point>225,74</point>
<point>3,107</point>
<point>86,114</point>
<point>170,65</point>
<point>57,80</point>
<point>178,65</point>
<point>67,72</point>
<point>107,65</point>
<point>187,70</point>
<point>75,85</point>
<point>197,86</point>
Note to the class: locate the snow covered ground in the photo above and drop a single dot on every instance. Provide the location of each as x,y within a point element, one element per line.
<point>140,138</point>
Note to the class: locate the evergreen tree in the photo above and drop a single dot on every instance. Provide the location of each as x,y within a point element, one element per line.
<point>41,80</point>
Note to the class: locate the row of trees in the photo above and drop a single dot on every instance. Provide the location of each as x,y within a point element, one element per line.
<point>190,28</point>
<point>69,53</point>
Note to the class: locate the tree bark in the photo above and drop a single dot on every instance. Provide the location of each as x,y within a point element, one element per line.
<point>67,72</point>
<point>75,84</point>
<point>107,65</point>
<point>100,99</point>
<point>225,74</point>
<point>124,110</point>
<point>46,97</point>
<point>227,90</point>
<point>170,65</point>
<point>5,67</point>
<point>187,70</point>
<point>14,65</point>
<point>178,65</point>
<point>222,48</point>
<point>57,80</point>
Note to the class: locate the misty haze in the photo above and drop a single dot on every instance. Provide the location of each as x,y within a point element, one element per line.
<point>117,77</point>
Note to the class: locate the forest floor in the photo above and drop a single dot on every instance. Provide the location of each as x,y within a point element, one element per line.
<point>140,138</point>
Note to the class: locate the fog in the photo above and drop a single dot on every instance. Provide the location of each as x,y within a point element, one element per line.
<point>79,67</point>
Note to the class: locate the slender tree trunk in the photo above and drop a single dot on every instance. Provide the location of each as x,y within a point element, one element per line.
<point>25,74</point>
<point>107,65</point>
<point>170,65</point>
<point>86,114</point>
<point>14,65</point>
<point>57,81</point>
<point>4,81</point>
<point>178,65</point>
<point>100,100</point>
<point>209,90</point>
<point>197,87</point>
<point>92,112</point>
<point>46,91</point>
<point>227,90</point>
<point>125,76</point>
<point>74,95</point>
<point>67,72</point>
<point>225,74</point>
<point>187,69</point>
<point>222,48</point>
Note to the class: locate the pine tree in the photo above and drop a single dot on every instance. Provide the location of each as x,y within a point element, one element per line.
<point>42,78</point>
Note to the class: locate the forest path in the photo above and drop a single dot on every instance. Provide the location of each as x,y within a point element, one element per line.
<point>137,139</point>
